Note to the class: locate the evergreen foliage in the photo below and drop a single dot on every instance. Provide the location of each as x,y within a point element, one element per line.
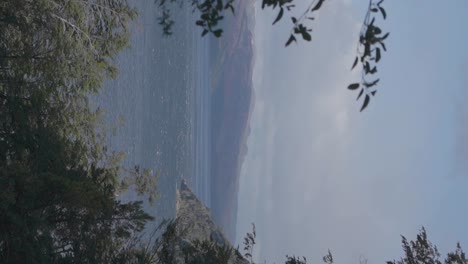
<point>58,182</point>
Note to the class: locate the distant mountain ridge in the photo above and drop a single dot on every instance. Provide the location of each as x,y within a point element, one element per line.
<point>232,104</point>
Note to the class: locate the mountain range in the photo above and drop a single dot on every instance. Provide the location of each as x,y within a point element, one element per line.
<point>232,104</point>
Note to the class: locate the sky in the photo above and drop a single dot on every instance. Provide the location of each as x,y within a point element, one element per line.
<point>321,175</point>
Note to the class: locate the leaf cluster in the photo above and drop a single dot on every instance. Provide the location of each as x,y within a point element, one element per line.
<point>249,243</point>
<point>295,260</point>
<point>211,13</point>
<point>369,53</point>
<point>300,24</point>
<point>422,251</point>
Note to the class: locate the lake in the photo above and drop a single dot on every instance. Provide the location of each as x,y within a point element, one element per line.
<point>160,106</point>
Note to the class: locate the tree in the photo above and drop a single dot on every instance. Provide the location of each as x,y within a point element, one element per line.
<point>419,251</point>
<point>58,182</point>
<point>371,39</point>
<point>422,251</point>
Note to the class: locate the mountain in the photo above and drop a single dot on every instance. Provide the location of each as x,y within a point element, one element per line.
<point>232,103</point>
<point>194,224</point>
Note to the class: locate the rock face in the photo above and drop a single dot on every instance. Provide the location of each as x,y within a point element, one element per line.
<point>194,222</point>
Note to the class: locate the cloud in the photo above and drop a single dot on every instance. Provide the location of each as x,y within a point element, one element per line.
<point>300,135</point>
<point>320,175</point>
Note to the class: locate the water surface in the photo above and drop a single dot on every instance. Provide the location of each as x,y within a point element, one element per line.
<point>161,99</point>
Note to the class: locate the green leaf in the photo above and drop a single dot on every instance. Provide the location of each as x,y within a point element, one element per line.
<point>367,49</point>
<point>385,36</point>
<point>368,85</point>
<point>219,4</point>
<point>229,5</point>
<point>355,63</point>
<point>353,86</point>
<point>318,5</point>
<point>373,93</point>
<point>383,46</point>
<point>205,16</point>
<point>377,30</point>
<point>377,55</point>
<point>360,94</point>
<point>384,14</point>
<point>366,102</point>
<point>367,67</point>
<point>280,15</point>
<point>218,33</point>
<point>306,36</point>
<point>205,31</point>
<point>290,40</point>
<point>294,20</point>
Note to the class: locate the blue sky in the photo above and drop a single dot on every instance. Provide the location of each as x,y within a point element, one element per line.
<point>321,175</point>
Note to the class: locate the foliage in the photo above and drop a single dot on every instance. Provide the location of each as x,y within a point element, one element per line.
<point>249,243</point>
<point>58,182</point>
<point>166,245</point>
<point>419,251</point>
<point>369,50</point>
<point>164,250</point>
<point>156,247</point>
<point>371,39</point>
<point>300,24</point>
<point>207,252</point>
<point>211,14</point>
<point>295,260</point>
<point>422,251</point>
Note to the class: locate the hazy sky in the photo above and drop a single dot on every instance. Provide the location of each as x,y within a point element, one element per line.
<point>320,175</point>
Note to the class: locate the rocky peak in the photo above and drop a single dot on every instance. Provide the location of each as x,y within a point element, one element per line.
<point>195,223</point>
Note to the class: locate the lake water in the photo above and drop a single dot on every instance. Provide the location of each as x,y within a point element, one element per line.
<point>161,103</point>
